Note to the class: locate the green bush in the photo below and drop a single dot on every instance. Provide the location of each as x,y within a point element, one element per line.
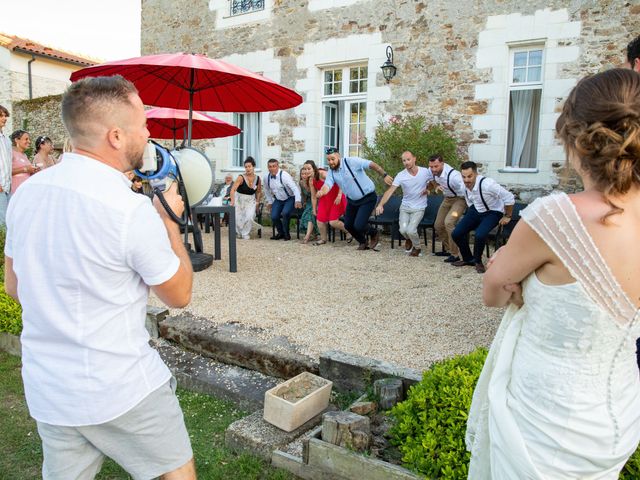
<point>10,314</point>
<point>408,133</point>
<point>3,234</point>
<point>431,424</point>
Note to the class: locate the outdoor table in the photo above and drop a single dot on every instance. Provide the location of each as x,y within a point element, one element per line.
<point>215,211</point>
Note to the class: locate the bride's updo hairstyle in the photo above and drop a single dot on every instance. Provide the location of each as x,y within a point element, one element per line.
<point>600,123</point>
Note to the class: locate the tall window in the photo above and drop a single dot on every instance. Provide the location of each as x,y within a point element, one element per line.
<point>344,109</point>
<point>247,143</point>
<point>525,92</point>
<point>238,7</point>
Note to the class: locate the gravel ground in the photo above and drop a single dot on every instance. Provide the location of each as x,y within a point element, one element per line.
<point>385,305</point>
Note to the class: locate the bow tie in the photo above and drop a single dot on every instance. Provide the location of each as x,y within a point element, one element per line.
<point>273,176</point>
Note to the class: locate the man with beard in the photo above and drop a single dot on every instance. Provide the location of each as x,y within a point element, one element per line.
<point>349,174</point>
<point>81,251</point>
<point>489,204</point>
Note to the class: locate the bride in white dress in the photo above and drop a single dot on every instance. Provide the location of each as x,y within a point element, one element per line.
<point>559,395</point>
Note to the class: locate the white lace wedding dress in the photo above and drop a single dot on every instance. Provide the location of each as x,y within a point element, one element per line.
<point>559,395</point>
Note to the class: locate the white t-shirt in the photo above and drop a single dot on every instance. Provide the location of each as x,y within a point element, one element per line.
<point>84,248</point>
<point>412,188</point>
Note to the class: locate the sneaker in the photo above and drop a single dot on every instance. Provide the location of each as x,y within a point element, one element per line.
<point>442,254</point>
<point>451,259</point>
<point>377,247</point>
<point>374,240</point>
<point>480,268</point>
<point>415,252</point>
<point>463,263</point>
<point>408,246</point>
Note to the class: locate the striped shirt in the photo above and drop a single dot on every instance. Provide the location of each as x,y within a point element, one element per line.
<point>5,163</point>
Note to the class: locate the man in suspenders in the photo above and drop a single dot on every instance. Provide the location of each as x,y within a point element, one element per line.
<point>450,183</point>
<point>489,204</point>
<point>349,174</point>
<point>282,194</point>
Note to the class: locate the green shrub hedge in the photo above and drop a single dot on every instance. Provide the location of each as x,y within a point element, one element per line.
<point>430,425</point>
<point>10,310</point>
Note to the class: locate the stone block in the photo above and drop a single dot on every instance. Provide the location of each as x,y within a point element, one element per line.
<point>252,434</point>
<point>353,373</point>
<point>363,408</point>
<point>10,344</point>
<point>154,316</point>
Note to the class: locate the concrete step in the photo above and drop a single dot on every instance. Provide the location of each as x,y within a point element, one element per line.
<point>235,344</point>
<point>201,374</point>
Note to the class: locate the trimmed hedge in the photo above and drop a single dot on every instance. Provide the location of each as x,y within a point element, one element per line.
<point>431,424</point>
<point>10,310</point>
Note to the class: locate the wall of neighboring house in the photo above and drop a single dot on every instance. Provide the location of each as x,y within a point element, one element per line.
<point>456,65</point>
<point>48,77</point>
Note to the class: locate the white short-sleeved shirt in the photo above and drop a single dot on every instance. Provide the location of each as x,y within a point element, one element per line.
<point>84,248</point>
<point>412,188</point>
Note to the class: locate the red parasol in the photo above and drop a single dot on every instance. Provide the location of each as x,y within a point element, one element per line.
<point>167,122</point>
<point>195,82</point>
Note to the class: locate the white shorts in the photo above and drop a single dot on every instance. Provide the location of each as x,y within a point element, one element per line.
<point>147,441</point>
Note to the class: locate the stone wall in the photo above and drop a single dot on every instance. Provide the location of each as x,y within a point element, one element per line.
<point>40,116</point>
<point>435,45</point>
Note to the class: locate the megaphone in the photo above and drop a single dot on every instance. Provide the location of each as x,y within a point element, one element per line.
<point>195,176</point>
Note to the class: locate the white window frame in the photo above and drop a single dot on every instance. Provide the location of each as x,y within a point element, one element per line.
<point>344,100</point>
<point>239,145</point>
<point>224,19</point>
<point>514,86</point>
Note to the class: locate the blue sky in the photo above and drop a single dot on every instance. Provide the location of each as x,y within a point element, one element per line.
<point>95,28</point>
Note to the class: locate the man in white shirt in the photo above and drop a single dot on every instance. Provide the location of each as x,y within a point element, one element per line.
<point>449,182</point>
<point>282,194</point>
<point>5,166</point>
<point>489,204</point>
<point>413,181</point>
<point>82,250</point>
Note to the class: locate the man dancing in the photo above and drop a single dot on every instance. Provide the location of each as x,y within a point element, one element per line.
<point>282,194</point>
<point>349,174</point>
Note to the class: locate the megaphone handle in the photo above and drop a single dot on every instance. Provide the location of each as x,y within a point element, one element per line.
<point>171,213</point>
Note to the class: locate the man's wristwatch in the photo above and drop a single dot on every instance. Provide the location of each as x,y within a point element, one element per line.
<point>384,174</point>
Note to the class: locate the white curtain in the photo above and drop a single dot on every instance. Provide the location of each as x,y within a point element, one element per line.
<point>253,137</point>
<point>521,113</point>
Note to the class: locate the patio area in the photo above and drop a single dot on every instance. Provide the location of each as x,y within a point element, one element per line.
<point>385,305</point>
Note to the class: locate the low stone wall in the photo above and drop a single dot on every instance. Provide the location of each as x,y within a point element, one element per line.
<point>10,344</point>
<point>40,116</point>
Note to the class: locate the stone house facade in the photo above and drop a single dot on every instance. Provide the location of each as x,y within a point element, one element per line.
<point>30,70</point>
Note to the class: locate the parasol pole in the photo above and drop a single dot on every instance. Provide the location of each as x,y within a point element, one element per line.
<point>174,133</point>
<point>191,92</point>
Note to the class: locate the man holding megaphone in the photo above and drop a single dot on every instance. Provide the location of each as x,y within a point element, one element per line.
<point>92,382</point>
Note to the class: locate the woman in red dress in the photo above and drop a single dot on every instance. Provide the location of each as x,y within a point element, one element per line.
<point>329,208</point>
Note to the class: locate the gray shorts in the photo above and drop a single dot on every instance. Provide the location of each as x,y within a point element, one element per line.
<point>147,441</point>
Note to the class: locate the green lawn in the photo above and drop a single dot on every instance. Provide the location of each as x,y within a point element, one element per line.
<point>206,419</point>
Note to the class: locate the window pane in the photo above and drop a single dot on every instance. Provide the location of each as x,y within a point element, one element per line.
<point>353,150</point>
<point>328,75</point>
<point>353,86</point>
<point>519,75</point>
<point>535,57</point>
<point>327,89</point>
<point>337,88</point>
<point>524,119</point>
<point>534,74</point>
<point>337,75</point>
<point>520,59</point>
<point>354,73</point>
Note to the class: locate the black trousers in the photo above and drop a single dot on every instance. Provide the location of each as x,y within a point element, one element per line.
<point>356,217</point>
<point>482,223</point>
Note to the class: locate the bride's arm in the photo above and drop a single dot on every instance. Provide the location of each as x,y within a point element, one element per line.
<point>523,254</point>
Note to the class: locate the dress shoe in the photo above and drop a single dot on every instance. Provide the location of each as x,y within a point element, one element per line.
<point>277,237</point>
<point>374,241</point>
<point>462,263</point>
<point>415,252</point>
<point>286,237</point>
<point>363,246</point>
<point>442,254</point>
<point>480,268</point>
<point>408,245</point>
<point>451,259</point>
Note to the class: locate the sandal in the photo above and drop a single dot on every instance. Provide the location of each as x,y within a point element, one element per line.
<point>349,239</point>
<point>319,242</point>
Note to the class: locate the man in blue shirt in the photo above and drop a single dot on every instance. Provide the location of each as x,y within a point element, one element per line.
<point>349,174</point>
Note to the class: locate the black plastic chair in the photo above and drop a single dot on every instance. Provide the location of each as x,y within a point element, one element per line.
<point>500,234</point>
<point>296,214</point>
<point>390,217</point>
<point>429,219</point>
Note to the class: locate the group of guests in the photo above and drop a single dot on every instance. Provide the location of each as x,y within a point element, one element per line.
<point>344,198</point>
<point>15,165</point>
